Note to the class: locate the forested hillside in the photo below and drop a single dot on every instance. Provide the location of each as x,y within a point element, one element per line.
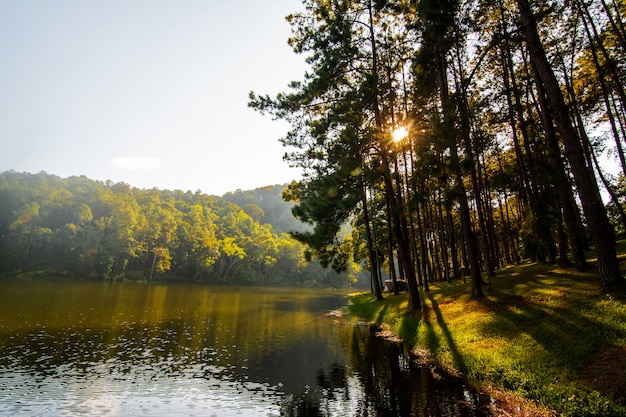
<point>266,205</point>
<point>77,227</point>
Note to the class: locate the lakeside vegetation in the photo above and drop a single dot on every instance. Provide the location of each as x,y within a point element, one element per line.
<point>541,332</point>
<point>77,227</point>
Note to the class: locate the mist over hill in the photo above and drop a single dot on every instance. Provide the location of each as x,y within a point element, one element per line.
<point>266,205</point>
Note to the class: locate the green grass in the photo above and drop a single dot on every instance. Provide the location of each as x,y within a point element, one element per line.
<point>538,332</point>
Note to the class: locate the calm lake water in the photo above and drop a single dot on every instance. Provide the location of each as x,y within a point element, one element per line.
<point>101,349</point>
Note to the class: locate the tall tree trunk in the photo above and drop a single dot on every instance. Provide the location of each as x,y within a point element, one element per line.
<point>461,193</point>
<point>607,185</point>
<point>423,247</point>
<point>390,246</point>
<point>571,216</point>
<point>611,65</point>
<point>510,241</point>
<point>472,163</point>
<point>409,215</point>
<point>404,255</point>
<point>617,23</point>
<point>443,241</point>
<point>562,241</point>
<point>454,256</point>
<point>590,153</point>
<point>372,254</point>
<point>396,213</point>
<point>506,231</point>
<point>600,227</point>
<point>510,86</point>
<point>491,224</point>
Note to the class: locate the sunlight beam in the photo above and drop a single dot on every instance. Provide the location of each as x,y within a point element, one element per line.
<point>399,134</point>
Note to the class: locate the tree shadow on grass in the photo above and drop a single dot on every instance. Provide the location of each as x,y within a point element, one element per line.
<point>381,314</point>
<point>408,329</point>
<point>559,314</point>
<point>563,332</point>
<point>433,342</point>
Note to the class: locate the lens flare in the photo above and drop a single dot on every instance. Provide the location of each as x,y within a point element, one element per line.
<point>400,133</point>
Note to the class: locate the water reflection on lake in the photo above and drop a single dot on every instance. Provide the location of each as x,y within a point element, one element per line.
<point>81,348</point>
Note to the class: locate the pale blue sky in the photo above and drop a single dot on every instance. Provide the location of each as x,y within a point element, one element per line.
<point>149,92</point>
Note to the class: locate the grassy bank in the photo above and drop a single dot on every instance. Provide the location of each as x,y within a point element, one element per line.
<point>542,333</point>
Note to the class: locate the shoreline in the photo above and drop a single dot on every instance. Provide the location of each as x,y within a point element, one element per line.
<point>499,403</point>
<point>543,341</point>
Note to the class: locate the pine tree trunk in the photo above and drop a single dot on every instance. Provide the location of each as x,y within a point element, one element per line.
<point>370,246</point>
<point>611,65</point>
<point>400,236</point>
<point>571,216</point>
<point>403,250</point>
<point>471,243</point>
<point>599,225</point>
<point>601,76</point>
<point>454,256</point>
<point>470,158</point>
<point>423,276</point>
<point>444,249</point>
<point>390,247</point>
<point>562,241</point>
<point>505,234</point>
<point>617,23</point>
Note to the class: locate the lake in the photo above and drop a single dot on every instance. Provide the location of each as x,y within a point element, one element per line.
<point>105,349</point>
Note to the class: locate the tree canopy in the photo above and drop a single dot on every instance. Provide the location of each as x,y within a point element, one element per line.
<point>77,227</point>
<point>505,109</point>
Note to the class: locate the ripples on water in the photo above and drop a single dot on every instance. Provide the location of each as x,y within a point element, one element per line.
<point>275,354</point>
<point>135,370</point>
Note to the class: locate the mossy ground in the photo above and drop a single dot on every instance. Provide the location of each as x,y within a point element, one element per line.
<point>542,333</point>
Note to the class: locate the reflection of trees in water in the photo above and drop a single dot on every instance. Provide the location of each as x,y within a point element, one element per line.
<point>332,388</point>
<point>392,386</point>
<point>377,366</point>
<point>382,382</point>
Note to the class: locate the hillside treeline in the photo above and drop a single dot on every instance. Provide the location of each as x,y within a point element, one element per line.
<point>266,205</point>
<point>77,227</point>
<point>459,136</point>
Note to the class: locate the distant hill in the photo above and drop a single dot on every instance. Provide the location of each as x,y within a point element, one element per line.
<point>78,227</point>
<point>266,205</point>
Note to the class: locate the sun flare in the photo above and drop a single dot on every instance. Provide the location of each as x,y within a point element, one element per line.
<point>400,133</point>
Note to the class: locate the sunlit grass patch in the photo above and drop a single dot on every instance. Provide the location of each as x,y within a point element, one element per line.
<point>390,312</point>
<point>538,331</point>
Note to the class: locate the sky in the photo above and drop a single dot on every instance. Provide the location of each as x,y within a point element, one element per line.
<point>152,93</point>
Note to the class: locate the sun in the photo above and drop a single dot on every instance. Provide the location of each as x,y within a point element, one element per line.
<point>400,133</point>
